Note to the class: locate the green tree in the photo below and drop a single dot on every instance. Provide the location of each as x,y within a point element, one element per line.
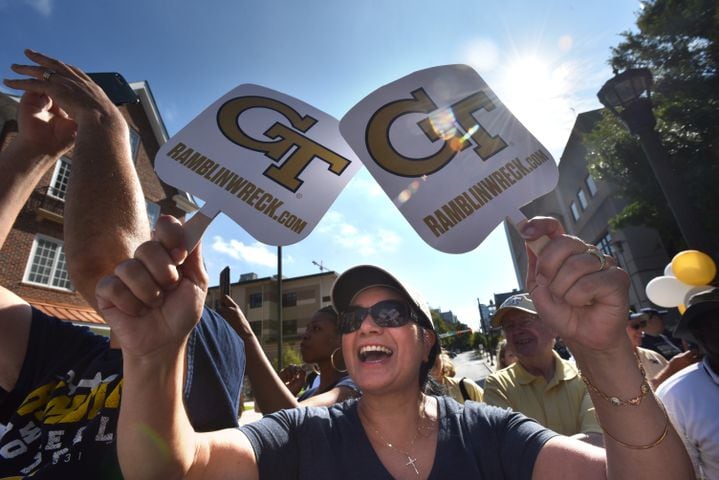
<point>677,41</point>
<point>455,342</point>
<point>290,355</point>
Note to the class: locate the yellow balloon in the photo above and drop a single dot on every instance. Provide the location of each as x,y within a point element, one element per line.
<point>682,308</point>
<point>694,267</point>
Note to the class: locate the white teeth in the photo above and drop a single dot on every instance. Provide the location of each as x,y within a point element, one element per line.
<point>375,348</point>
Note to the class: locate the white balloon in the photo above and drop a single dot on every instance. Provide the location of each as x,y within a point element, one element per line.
<point>667,291</point>
<point>668,272</point>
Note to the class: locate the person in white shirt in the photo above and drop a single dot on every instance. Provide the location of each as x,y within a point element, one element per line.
<point>691,396</point>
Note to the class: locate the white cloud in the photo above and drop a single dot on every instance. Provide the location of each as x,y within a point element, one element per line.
<point>44,7</point>
<point>364,243</point>
<point>256,253</point>
<point>367,185</point>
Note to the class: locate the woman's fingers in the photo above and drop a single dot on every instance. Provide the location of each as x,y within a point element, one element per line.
<point>34,71</point>
<point>601,285</point>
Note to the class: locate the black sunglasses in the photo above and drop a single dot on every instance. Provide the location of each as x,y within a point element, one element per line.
<point>387,313</point>
<point>637,326</point>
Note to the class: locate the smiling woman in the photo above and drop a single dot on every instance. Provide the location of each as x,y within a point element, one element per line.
<point>395,429</point>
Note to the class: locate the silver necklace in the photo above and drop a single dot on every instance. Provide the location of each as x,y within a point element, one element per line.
<point>411,461</point>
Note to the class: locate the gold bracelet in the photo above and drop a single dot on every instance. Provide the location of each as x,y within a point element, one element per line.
<point>650,445</point>
<point>644,389</point>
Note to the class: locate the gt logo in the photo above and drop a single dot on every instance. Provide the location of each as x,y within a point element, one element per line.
<point>285,139</point>
<point>435,128</point>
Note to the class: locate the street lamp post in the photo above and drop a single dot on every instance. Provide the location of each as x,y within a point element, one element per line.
<point>628,96</point>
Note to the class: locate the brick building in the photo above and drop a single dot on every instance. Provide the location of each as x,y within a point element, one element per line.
<point>32,261</point>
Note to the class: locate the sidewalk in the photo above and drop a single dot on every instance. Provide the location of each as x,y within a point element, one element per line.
<point>249,415</point>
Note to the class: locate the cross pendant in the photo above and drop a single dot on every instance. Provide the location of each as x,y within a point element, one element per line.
<point>411,463</point>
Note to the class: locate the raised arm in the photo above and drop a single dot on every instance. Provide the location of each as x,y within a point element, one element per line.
<point>269,390</point>
<point>152,301</point>
<point>105,216</point>
<point>45,133</point>
<point>586,302</point>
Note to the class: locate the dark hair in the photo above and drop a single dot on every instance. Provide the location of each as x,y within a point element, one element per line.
<point>424,378</point>
<point>330,311</point>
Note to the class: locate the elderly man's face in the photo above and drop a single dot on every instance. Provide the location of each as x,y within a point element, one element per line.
<point>655,324</point>
<point>526,335</point>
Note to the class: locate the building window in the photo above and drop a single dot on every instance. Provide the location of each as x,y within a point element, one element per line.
<point>582,199</point>
<point>153,213</point>
<point>257,328</point>
<point>255,300</point>
<point>605,245</point>
<point>591,186</point>
<point>575,211</point>
<point>46,265</point>
<point>60,178</point>
<point>289,299</point>
<point>289,328</point>
<point>134,143</point>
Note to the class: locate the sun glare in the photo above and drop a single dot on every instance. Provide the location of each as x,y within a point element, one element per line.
<point>538,94</point>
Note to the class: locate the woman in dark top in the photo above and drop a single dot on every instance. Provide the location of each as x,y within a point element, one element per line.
<point>320,345</point>
<point>389,345</point>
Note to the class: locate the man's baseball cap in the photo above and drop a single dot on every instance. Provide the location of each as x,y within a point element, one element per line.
<point>638,316</point>
<point>652,311</point>
<point>698,305</point>
<point>520,301</point>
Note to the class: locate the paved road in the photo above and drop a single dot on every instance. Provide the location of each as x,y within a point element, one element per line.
<point>471,365</point>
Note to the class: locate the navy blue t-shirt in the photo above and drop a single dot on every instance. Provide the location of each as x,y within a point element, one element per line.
<point>474,441</point>
<point>62,414</point>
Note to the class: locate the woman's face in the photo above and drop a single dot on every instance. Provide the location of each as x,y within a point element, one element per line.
<point>320,339</point>
<point>382,360</point>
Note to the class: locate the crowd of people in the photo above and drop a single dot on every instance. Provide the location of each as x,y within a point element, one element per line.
<point>160,398</point>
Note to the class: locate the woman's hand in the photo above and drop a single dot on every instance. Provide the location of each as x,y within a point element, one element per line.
<point>584,300</point>
<point>294,377</point>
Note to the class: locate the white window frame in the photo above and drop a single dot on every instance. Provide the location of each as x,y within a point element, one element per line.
<point>59,253</point>
<point>153,212</point>
<point>576,214</point>
<point>582,197</point>
<point>135,141</point>
<point>51,191</point>
<point>591,185</point>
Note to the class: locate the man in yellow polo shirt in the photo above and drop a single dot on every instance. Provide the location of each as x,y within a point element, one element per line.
<point>540,384</point>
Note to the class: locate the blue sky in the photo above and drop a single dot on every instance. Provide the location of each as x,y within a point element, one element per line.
<point>544,59</point>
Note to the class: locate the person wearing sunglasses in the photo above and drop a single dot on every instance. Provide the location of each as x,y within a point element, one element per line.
<point>652,361</point>
<point>657,367</point>
<point>394,430</point>
<point>320,345</point>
